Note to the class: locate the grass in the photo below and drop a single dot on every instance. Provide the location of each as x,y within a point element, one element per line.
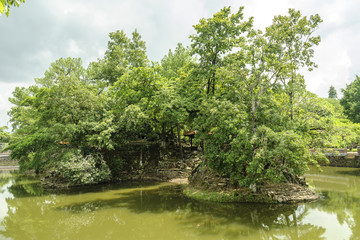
<point>225,197</point>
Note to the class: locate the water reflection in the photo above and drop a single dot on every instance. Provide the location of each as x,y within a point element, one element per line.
<point>160,211</point>
<point>209,218</point>
<point>340,189</point>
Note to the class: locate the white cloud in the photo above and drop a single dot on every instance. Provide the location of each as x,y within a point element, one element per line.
<point>264,11</point>
<point>73,49</point>
<point>45,55</point>
<point>335,65</point>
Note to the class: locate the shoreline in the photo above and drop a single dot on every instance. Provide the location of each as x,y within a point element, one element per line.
<point>9,168</point>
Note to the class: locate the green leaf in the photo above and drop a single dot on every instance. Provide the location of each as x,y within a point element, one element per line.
<point>2,7</point>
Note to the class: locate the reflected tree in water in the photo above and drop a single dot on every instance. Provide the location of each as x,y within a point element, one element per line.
<point>59,215</point>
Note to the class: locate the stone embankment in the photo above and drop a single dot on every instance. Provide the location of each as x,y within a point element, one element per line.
<point>288,193</point>
<point>205,184</point>
<point>143,161</point>
<point>153,161</point>
<point>6,164</point>
<point>345,160</point>
<point>157,161</point>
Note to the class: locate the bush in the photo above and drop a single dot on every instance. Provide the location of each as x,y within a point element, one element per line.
<point>90,169</point>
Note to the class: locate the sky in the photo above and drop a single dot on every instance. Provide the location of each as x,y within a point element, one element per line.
<point>41,31</point>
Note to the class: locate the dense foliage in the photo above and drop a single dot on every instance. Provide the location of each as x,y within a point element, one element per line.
<point>240,87</point>
<point>84,170</point>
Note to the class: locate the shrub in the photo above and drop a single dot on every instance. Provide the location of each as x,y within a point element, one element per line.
<point>90,169</point>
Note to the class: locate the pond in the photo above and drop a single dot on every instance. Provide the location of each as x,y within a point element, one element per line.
<point>160,211</point>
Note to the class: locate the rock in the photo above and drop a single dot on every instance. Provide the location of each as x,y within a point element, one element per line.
<point>253,187</point>
<point>288,192</point>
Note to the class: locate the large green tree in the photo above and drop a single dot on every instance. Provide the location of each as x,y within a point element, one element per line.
<point>56,118</point>
<point>257,138</point>
<point>130,101</point>
<point>292,37</point>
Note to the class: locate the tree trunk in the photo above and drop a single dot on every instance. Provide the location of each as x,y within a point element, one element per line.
<point>291,95</point>
<point>203,148</point>
<point>141,157</point>
<point>208,87</point>
<point>213,84</point>
<point>179,141</point>
<point>253,115</point>
<point>163,134</point>
<point>291,105</point>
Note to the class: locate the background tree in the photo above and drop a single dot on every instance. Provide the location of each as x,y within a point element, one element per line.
<point>324,123</point>
<point>332,92</point>
<point>351,100</point>
<point>4,135</point>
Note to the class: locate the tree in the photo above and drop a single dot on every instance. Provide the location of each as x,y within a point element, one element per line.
<point>171,100</point>
<point>56,118</point>
<point>130,100</point>
<point>293,35</point>
<point>6,4</point>
<point>123,53</point>
<point>332,92</point>
<point>214,38</point>
<point>263,141</point>
<point>325,124</point>
<point>351,100</point>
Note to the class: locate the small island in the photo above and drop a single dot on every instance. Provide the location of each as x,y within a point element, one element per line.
<point>230,111</point>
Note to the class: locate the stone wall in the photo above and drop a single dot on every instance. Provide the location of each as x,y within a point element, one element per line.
<point>343,161</point>
<point>151,160</point>
<point>6,161</point>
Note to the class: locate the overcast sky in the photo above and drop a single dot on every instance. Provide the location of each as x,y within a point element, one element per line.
<point>41,31</point>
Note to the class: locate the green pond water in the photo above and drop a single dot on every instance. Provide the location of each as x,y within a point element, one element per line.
<point>160,211</point>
